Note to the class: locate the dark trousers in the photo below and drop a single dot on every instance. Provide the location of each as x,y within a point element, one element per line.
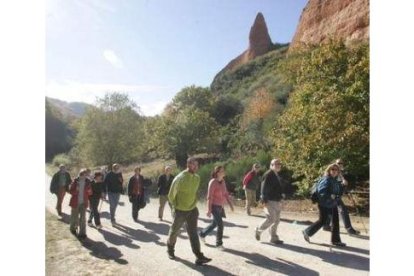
<point>60,195</point>
<point>190,218</point>
<point>323,216</point>
<point>218,214</point>
<point>137,202</point>
<point>94,203</point>
<point>343,210</point>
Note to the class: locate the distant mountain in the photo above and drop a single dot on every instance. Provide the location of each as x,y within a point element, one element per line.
<point>69,109</point>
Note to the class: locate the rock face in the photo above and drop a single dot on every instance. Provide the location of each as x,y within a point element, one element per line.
<point>259,44</point>
<point>324,19</point>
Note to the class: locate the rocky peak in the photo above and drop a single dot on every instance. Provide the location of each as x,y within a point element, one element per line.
<point>259,44</point>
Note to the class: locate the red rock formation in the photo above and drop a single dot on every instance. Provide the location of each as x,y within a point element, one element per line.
<point>324,19</point>
<point>259,43</point>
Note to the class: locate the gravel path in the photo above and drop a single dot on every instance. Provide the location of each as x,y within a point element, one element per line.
<point>140,248</point>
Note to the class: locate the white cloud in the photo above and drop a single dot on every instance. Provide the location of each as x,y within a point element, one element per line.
<point>150,98</point>
<point>113,59</point>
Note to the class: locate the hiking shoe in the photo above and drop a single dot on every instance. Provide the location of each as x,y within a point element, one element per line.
<point>170,252</point>
<point>352,231</point>
<point>257,234</point>
<point>276,241</point>
<point>82,237</point>
<point>305,236</point>
<point>327,228</point>
<point>220,247</point>
<point>90,223</point>
<point>339,244</point>
<point>73,232</point>
<point>99,226</point>
<point>202,260</point>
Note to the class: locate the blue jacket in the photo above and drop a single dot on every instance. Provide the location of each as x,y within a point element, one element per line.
<point>328,186</point>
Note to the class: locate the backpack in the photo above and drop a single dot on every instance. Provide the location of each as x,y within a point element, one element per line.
<point>314,193</point>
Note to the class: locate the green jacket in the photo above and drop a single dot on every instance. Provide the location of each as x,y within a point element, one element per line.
<point>183,191</point>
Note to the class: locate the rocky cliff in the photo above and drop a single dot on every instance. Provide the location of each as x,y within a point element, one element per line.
<point>259,44</point>
<point>324,19</point>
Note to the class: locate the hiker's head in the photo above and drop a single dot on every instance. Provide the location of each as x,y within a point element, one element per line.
<point>83,173</point>
<point>137,170</point>
<point>192,164</point>
<point>98,176</point>
<point>340,163</point>
<point>256,167</point>
<point>167,170</point>
<point>62,168</point>
<point>88,172</point>
<point>115,167</point>
<point>218,172</point>
<point>332,170</point>
<point>276,165</point>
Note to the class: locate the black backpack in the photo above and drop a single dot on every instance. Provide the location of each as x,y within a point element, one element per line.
<point>314,193</point>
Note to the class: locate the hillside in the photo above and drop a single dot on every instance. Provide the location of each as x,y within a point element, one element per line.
<point>244,80</point>
<point>69,109</point>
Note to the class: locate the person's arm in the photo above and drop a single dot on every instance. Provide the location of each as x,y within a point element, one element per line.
<point>159,182</point>
<point>53,184</point>
<point>227,196</point>
<point>210,193</point>
<point>172,194</point>
<point>247,179</point>
<point>265,187</point>
<point>130,186</point>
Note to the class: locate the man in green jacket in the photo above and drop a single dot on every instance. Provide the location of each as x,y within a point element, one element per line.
<point>60,185</point>
<point>183,199</point>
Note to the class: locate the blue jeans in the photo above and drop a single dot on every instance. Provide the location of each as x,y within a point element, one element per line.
<point>113,203</point>
<point>218,214</point>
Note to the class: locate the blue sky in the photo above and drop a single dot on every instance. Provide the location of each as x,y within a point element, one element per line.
<point>151,49</point>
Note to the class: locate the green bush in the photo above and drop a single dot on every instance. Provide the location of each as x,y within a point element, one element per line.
<point>62,159</point>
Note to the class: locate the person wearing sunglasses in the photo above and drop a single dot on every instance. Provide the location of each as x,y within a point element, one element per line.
<point>345,179</point>
<point>329,192</point>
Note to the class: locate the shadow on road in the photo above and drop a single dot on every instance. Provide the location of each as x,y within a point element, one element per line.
<point>139,235</point>
<point>225,223</point>
<point>117,239</point>
<point>282,266</point>
<point>299,222</point>
<point>346,248</point>
<point>203,269</point>
<point>159,228</point>
<point>336,257</point>
<point>101,251</point>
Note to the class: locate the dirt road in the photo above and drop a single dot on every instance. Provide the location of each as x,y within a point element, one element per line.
<point>140,248</point>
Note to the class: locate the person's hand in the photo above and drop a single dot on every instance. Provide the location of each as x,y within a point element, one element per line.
<point>209,214</point>
<point>333,196</point>
<point>104,196</point>
<point>283,196</point>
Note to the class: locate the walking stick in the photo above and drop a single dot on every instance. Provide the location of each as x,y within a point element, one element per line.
<point>356,207</point>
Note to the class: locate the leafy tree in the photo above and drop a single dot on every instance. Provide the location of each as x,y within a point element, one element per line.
<point>328,113</point>
<point>193,97</point>
<point>111,132</point>
<point>59,134</point>
<point>187,131</point>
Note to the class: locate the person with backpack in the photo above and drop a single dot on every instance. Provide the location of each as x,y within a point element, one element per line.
<point>345,179</point>
<point>164,184</point>
<point>136,193</point>
<point>217,195</point>
<point>272,192</point>
<point>94,199</point>
<point>113,186</point>
<point>80,189</point>
<point>329,191</point>
<point>251,182</point>
<point>60,185</point>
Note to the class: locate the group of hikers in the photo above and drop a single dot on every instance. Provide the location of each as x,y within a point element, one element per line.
<point>180,192</point>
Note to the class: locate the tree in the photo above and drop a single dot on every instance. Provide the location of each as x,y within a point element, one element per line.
<point>188,131</point>
<point>328,112</point>
<point>193,97</point>
<point>59,135</point>
<point>111,132</point>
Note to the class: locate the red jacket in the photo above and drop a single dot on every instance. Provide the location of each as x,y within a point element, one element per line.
<point>73,190</point>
